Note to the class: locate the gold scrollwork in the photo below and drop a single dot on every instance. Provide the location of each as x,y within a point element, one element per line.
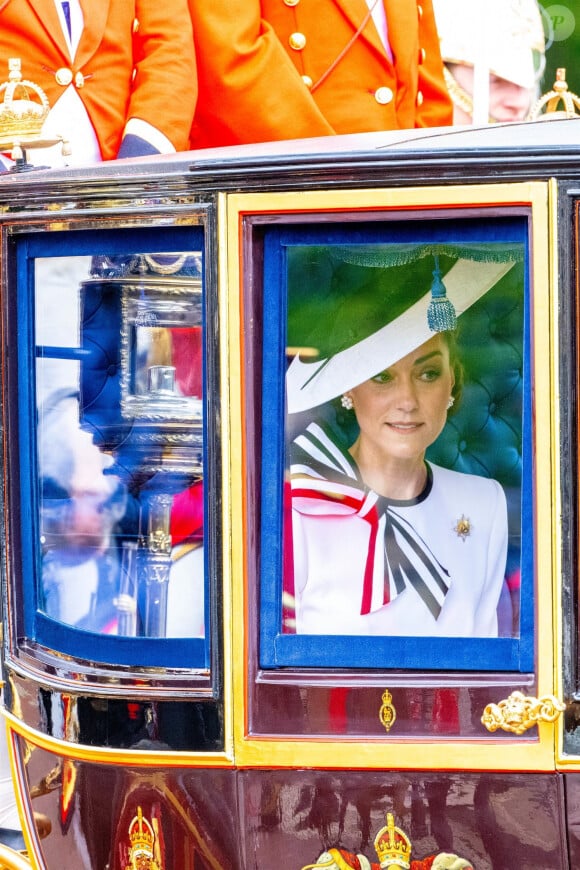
<point>520,712</point>
<point>159,541</point>
<point>387,713</point>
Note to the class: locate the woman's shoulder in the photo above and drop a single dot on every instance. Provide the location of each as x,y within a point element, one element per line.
<point>475,485</point>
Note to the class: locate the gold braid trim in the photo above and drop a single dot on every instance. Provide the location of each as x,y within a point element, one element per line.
<point>459,96</point>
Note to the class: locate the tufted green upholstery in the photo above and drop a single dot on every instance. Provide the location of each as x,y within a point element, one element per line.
<point>484,435</point>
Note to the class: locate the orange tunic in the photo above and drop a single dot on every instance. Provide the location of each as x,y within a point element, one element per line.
<point>121,71</point>
<point>285,69</point>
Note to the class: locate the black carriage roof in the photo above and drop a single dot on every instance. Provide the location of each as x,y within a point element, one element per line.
<point>498,152</point>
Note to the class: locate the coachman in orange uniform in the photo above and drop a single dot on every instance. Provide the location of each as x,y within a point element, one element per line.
<point>288,69</point>
<point>130,63</point>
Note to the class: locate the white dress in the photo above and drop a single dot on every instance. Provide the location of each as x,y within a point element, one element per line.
<point>366,565</point>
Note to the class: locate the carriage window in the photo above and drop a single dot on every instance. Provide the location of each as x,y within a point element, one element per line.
<point>406,465</point>
<point>117,449</point>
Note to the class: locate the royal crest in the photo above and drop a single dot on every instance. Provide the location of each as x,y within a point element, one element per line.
<point>144,852</point>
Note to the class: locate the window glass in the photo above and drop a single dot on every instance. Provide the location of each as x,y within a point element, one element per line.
<point>406,470</point>
<point>119,442</point>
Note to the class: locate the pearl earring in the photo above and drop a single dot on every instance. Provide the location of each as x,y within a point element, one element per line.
<point>346,402</point>
<point>450,403</point>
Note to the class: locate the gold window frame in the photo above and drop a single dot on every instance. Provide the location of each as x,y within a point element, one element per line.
<point>519,753</point>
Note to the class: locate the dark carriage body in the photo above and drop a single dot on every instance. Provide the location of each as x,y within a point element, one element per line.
<point>230,740</point>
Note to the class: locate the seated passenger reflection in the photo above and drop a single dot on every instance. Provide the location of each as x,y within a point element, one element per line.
<point>90,535</point>
<point>81,506</point>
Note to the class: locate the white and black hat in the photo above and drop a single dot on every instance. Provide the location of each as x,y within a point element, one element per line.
<point>387,300</point>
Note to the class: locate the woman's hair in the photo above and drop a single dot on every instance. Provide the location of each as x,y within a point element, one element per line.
<point>450,339</point>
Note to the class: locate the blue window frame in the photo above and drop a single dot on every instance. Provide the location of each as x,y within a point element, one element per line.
<point>146,644</point>
<point>490,436</point>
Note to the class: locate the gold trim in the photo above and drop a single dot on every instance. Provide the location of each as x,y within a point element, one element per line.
<point>546,432</point>
<point>196,834</point>
<point>518,713</point>
<point>562,760</point>
<point>365,198</point>
<point>231,259</point>
<point>20,782</point>
<point>106,755</point>
<point>520,753</point>
<point>11,860</point>
<point>231,440</point>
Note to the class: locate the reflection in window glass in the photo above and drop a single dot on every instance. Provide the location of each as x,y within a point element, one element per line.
<point>119,388</point>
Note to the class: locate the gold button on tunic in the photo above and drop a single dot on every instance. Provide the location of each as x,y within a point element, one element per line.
<point>297,41</point>
<point>383,95</point>
<point>64,76</point>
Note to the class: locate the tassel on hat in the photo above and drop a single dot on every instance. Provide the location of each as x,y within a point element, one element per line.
<point>441,314</point>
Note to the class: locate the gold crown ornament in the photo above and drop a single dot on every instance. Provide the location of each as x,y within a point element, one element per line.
<point>392,846</point>
<point>557,103</point>
<point>24,108</point>
<point>143,854</point>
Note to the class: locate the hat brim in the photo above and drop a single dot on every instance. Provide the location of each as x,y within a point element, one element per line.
<point>311,384</point>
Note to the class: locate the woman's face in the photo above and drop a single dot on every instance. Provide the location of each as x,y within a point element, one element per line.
<point>402,410</point>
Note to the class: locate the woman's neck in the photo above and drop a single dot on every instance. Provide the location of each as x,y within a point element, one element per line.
<point>395,478</point>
